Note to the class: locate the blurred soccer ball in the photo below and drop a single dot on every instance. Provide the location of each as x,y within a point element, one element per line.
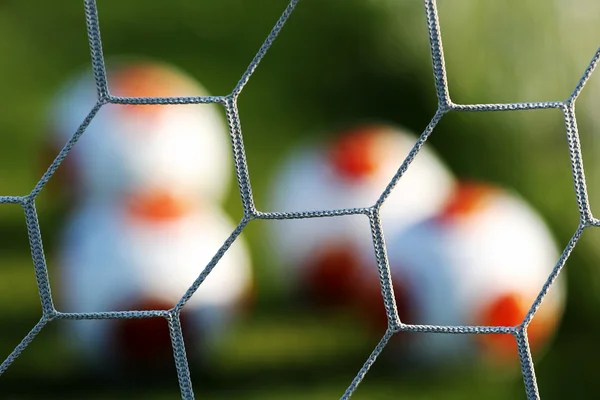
<point>128,148</point>
<point>144,254</point>
<point>481,261</point>
<point>323,257</point>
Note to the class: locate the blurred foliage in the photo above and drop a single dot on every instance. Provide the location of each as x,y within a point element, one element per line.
<point>335,62</point>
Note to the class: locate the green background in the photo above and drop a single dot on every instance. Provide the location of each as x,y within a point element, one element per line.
<point>335,62</point>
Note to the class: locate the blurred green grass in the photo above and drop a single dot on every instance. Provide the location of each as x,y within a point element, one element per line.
<point>330,66</point>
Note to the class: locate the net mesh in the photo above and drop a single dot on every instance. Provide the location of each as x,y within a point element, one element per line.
<point>229,102</point>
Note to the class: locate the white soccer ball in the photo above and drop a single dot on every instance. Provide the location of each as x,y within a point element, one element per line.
<point>145,255</point>
<point>326,256</point>
<point>481,261</point>
<point>128,147</point>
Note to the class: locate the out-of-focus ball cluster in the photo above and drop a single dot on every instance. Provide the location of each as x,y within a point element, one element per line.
<point>460,252</point>
<point>147,181</point>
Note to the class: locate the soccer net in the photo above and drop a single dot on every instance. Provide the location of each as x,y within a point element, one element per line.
<point>229,102</point>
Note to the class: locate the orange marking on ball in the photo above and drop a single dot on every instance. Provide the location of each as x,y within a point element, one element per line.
<point>146,341</point>
<point>510,310</point>
<point>371,306</point>
<point>147,80</point>
<point>332,274</point>
<point>158,206</point>
<point>354,155</point>
<point>468,197</point>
